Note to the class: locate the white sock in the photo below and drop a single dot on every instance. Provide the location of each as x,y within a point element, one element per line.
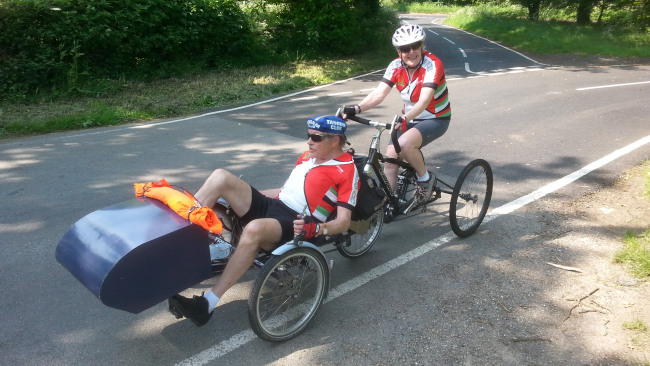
<point>212,300</point>
<point>424,178</point>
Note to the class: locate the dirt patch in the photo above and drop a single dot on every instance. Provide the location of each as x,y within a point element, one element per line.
<point>597,296</point>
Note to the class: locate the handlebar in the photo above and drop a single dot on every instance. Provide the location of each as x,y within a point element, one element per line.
<point>391,126</point>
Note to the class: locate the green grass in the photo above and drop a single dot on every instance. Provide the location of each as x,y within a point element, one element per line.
<point>126,101</point>
<point>507,25</point>
<point>636,325</point>
<point>635,254</point>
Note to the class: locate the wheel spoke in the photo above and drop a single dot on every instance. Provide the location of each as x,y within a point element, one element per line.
<point>288,293</point>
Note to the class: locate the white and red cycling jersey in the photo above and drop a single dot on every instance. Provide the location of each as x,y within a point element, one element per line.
<point>430,74</point>
<point>321,187</point>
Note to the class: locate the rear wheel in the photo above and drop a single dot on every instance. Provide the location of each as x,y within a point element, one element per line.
<point>357,244</point>
<point>470,198</point>
<point>287,293</point>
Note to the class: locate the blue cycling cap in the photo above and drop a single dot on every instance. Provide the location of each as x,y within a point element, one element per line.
<point>327,124</point>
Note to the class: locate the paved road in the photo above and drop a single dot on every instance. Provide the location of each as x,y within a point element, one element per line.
<point>534,123</point>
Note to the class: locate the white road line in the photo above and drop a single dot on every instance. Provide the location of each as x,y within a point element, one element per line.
<point>500,45</point>
<point>613,85</point>
<point>341,93</point>
<point>304,98</point>
<point>562,182</point>
<point>246,336</point>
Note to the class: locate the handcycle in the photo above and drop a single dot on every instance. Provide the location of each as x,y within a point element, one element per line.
<point>294,279</point>
<point>470,195</point>
<point>135,254</point>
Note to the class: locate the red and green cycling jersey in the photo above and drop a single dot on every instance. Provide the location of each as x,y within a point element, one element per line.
<point>321,187</point>
<point>429,74</point>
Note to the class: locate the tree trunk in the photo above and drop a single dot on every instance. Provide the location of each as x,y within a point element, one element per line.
<point>584,11</point>
<point>533,9</point>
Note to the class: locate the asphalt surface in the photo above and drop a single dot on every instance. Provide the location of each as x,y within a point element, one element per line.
<point>534,123</point>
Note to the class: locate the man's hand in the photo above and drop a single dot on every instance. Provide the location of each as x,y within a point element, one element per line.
<point>306,225</point>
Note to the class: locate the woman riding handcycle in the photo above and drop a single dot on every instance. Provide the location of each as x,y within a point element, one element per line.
<point>419,77</point>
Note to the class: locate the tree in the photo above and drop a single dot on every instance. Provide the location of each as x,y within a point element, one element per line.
<point>585,7</point>
<point>533,7</point>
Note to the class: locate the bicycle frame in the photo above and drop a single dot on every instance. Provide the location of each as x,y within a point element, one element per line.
<point>375,158</point>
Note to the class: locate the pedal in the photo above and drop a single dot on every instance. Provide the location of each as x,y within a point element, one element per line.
<point>388,216</point>
<point>172,309</point>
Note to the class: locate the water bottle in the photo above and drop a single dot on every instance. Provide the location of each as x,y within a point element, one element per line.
<point>220,250</point>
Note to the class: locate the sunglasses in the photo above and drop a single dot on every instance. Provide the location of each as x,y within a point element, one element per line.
<point>316,137</point>
<point>410,47</point>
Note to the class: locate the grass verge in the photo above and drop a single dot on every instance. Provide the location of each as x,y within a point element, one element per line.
<point>635,253</point>
<point>130,101</point>
<point>509,26</point>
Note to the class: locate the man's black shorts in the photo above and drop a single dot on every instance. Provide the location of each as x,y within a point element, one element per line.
<point>266,207</point>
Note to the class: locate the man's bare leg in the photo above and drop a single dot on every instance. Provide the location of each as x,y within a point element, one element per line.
<point>222,183</point>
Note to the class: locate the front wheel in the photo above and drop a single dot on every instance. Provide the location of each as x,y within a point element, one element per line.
<point>287,293</point>
<point>470,198</point>
<point>361,238</point>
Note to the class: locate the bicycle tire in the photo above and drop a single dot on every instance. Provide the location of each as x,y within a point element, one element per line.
<point>470,198</point>
<point>355,245</point>
<point>287,293</point>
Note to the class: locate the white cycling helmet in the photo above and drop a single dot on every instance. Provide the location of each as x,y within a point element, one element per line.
<point>408,34</point>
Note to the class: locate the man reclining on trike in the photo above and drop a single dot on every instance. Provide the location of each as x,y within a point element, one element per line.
<point>323,181</point>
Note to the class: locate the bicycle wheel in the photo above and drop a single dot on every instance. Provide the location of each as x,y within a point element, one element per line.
<point>287,293</point>
<point>470,198</point>
<point>357,244</point>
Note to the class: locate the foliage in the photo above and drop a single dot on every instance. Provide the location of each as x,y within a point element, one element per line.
<point>51,47</point>
<point>57,44</point>
<point>322,28</point>
<point>507,24</point>
<point>430,7</point>
<point>634,12</point>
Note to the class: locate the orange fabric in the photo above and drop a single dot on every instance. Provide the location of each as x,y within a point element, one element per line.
<point>183,204</point>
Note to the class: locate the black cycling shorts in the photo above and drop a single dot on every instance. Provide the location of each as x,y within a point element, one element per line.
<point>430,129</point>
<point>263,207</point>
